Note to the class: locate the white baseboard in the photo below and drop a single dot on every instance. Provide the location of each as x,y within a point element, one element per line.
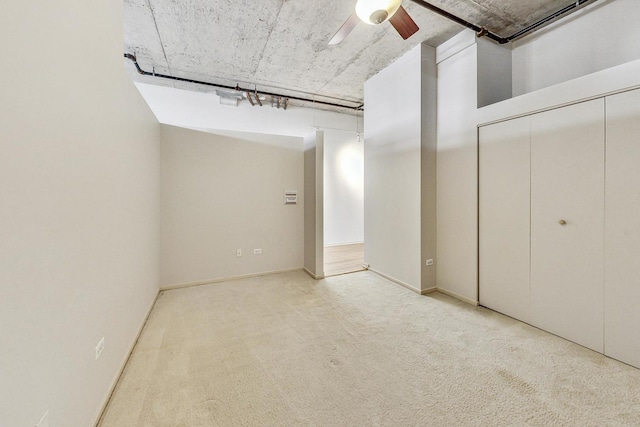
<point>426,291</point>
<point>105,403</point>
<point>456,296</point>
<point>226,279</point>
<point>396,281</point>
<point>306,270</point>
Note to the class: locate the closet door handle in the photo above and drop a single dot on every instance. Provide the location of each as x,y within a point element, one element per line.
<point>562,222</point>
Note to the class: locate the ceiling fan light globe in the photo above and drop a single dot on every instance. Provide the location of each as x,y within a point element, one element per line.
<point>372,11</point>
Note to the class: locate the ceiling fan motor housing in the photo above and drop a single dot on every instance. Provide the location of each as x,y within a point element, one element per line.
<point>379,16</point>
<point>375,12</point>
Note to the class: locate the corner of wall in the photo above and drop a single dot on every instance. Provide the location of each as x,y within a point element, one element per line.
<point>428,167</point>
<point>319,225</point>
<point>456,218</point>
<point>313,205</point>
<point>455,44</point>
<point>494,72</point>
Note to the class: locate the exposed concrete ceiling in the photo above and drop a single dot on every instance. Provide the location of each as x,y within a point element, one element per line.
<point>281,45</point>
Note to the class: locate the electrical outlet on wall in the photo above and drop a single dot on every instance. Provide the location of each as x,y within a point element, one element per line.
<point>238,252</point>
<point>99,348</point>
<point>257,251</point>
<point>429,262</point>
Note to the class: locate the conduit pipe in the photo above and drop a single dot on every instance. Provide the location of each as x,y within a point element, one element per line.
<point>358,107</point>
<point>480,32</point>
<point>483,32</point>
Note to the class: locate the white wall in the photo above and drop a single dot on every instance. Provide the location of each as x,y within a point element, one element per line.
<point>343,188</point>
<point>225,191</point>
<point>392,170</point>
<point>203,111</point>
<point>313,204</point>
<point>394,137</point>
<point>471,72</point>
<point>457,170</point>
<point>597,37</point>
<point>79,223</point>
<point>494,72</point>
<point>428,166</point>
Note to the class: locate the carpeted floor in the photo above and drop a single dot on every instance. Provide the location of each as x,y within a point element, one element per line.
<point>357,350</point>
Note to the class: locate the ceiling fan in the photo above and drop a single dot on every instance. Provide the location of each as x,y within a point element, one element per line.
<point>374,12</point>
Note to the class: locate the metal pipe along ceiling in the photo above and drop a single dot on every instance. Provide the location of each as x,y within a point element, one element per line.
<point>480,31</point>
<point>357,107</point>
<point>483,32</point>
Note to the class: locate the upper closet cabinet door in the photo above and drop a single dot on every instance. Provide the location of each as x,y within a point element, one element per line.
<point>622,239</point>
<point>504,158</point>
<point>567,222</point>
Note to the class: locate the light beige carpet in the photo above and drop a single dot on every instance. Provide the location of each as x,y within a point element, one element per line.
<point>357,350</point>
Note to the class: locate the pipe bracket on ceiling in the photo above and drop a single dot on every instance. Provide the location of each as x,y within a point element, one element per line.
<point>355,107</point>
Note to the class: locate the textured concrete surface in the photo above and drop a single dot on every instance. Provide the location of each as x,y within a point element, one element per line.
<point>281,45</point>
<point>357,350</point>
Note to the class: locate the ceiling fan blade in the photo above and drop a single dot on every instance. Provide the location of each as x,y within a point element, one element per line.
<point>403,23</point>
<point>346,28</point>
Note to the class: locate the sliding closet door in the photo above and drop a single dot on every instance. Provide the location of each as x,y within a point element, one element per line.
<point>567,222</point>
<point>622,266</point>
<point>504,158</point>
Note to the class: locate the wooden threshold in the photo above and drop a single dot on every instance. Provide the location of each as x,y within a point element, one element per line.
<point>343,259</point>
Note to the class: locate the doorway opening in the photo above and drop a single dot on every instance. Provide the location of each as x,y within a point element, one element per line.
<point>341,259</point>
<point>343,209</point>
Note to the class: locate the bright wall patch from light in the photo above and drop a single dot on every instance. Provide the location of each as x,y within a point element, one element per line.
<point>351,167</point>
